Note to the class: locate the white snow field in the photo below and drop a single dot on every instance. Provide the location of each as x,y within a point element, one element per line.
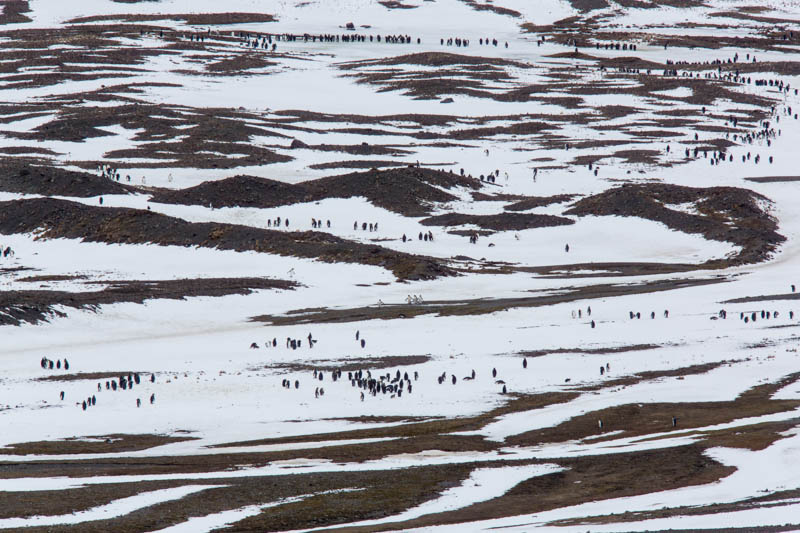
<point>402,265</point>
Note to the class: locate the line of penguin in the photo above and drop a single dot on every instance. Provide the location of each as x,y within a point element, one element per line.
<point>373,384</point>
<point>362,379</point>
<point>370,384</point>
<point>124,382</point>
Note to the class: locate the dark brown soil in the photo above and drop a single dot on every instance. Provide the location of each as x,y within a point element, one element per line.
<point>357,164</point>
<point>655,374</point>
<point>238,65</point>
<point>327,499</point>
<point>19,150</point>
<point>96,45</point>
<point>193,19</point>
<point>469,233</point>
<point>538,201</point>
<point>427,428</point>
<point>52,218</point>
<point>647,157</point>
<point>410,191</point>
<point>456,74</point>
<point>50,277</point>
<point>590,351</point>
<point>217,138</point>
<point>433,59</point>
<point>35,306</point>
<point>763,502</point>
<point>725,214</point>
<point>584,6</point>
<point>394,4</point>
<point>356,149</point>
<point>764,298</point>
<point>648,418</point>
<point>291,116</point>
<point>474,307</point>
<point>115,443</point>
<point>584,479</point>
<point>743,14</point>
<point>783,68</point>
<point>239,191</point>
<point>522,126</point>
<point>716,42</point>
<point>498,197</point>
<point>774,179</point>
<point>20,177</point>
<point>384,493</point>
<point>499,222</point>
<point>13,12</point>
<point>64,502</point>
<point>353,365</point>
<point>500,10</point>
<point>517,403</point>
<point>177,464</point>
<point>704,92</point>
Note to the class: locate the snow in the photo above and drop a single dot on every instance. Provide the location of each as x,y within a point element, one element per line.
<point>198,348</point>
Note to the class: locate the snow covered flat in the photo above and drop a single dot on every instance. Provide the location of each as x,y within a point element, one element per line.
<point>413,265</point>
